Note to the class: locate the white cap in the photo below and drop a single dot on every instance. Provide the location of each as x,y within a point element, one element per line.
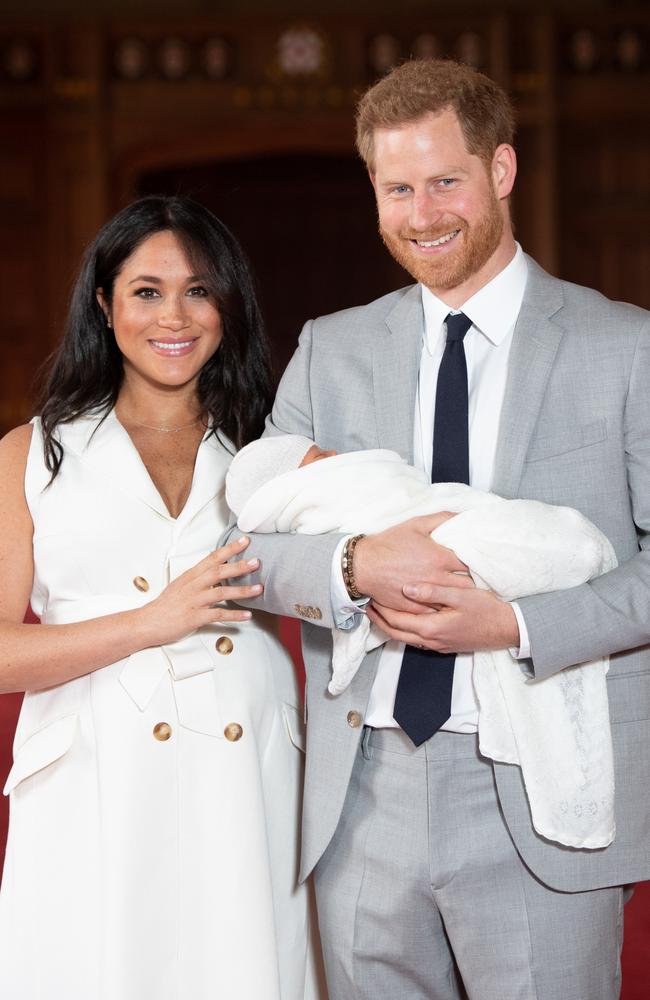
<point>261,461</point>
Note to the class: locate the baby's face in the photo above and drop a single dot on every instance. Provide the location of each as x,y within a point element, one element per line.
<point>315,454</point>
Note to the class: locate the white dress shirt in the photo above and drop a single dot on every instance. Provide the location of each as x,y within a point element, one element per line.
<point>493,311</point>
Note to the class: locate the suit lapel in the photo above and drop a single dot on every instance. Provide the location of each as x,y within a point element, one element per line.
<point>534,346</point>
<point>396,361</point>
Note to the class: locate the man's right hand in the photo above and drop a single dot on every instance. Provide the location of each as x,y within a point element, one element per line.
<point>384,562</point>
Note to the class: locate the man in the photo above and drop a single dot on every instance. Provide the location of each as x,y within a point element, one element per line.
<point>430,878</point>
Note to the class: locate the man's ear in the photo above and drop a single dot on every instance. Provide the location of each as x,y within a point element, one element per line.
<point>504,170</point>
<point>103,305</point>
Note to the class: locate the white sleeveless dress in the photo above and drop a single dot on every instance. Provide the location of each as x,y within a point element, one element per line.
<point>153,840</point>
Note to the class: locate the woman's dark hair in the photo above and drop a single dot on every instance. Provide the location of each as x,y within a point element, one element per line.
<point>234,386</point>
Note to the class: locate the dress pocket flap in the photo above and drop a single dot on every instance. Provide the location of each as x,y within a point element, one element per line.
<point>42,748</point>
<point>295,726</point>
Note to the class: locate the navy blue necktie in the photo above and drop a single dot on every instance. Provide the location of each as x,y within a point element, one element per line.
<point>423,699</point>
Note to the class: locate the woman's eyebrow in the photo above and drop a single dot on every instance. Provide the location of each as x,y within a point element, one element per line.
<point>146,277</point>
<point>158,281</point>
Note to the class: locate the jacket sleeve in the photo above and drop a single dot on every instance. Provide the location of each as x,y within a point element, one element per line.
<point>295,569</point>
<point>611,613</point>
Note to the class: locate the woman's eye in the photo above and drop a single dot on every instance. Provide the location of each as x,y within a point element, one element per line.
<point>146,293</point>
<point>198,291</point>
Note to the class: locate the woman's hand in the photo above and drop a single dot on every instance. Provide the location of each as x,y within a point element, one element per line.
<point>194,598</point>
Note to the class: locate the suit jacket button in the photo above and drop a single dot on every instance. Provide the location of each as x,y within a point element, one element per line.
<point>354,720</point>
<point>162,731</point>
<point>140,583</point>
<point>233,732</point>
<point>224,645</point>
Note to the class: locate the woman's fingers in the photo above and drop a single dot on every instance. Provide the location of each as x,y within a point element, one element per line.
<point>234,593</point>
<point>240,568</point>
<point>226,615</point>
<point>226,552</point>
<point>217,576</point>
<point>213,569</point>
<point>219,557</point>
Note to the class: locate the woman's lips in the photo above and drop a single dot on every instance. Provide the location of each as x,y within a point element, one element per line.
<point>173,348</point>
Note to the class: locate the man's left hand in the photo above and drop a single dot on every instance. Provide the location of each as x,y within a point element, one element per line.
<point>452,620</point>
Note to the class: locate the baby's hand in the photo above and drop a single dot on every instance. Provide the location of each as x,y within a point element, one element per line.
<point>315,454</point>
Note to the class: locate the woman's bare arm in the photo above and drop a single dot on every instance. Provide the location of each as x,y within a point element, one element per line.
<point>39,656</point>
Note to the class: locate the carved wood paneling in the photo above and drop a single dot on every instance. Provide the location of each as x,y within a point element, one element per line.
<point>88,112</point>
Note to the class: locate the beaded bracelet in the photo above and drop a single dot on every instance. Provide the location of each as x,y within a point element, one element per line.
<point>347,566</point>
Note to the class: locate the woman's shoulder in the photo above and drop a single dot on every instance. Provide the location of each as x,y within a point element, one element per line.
<point>14,453</point>
<point>15,445</point>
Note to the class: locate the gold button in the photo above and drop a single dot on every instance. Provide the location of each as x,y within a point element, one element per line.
<point>354,720</point>
<point>233,732</point>
<point>162,731</point>
<point>224,645</point>
<point>141,583</point>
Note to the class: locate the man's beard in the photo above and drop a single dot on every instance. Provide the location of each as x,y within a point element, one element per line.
<point>449,270</point>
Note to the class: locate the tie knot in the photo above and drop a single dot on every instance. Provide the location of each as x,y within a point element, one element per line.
<point>457,326</point>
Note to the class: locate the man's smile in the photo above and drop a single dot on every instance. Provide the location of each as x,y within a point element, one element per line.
<point>440,241</point>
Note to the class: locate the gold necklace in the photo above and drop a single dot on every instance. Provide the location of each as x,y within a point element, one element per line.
<point>164,430</point>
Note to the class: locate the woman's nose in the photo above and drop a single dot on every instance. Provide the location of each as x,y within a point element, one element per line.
<point>172,314</point>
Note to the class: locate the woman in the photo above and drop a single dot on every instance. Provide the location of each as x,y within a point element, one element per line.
<point>152,847</point>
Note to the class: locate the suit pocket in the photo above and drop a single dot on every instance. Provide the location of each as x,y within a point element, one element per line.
<point>629,697</point>
<point>567,440</point>
<point>41,749</point>
<point>294,726</point>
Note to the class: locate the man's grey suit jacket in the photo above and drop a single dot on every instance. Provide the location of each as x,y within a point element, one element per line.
<point>574,430</point>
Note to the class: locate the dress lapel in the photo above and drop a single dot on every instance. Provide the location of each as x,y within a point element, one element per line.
<point>212,461</point>
<point>105,446</point>
<point>534,346</point>
<point>396,361</point>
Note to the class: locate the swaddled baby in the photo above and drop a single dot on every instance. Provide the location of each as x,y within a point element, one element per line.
<point>557,729</point>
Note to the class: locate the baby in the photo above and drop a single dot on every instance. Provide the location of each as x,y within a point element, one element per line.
<point>557,729</point>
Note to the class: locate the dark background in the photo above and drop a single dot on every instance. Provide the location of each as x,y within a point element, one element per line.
<point>248,106</point>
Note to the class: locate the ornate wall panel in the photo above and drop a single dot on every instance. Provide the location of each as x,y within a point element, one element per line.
<point>92,114</point>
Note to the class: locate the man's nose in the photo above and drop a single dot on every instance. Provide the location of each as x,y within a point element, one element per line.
<point>424,211</point>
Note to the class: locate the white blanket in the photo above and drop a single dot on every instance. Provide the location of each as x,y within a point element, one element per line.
<point>557,729</point>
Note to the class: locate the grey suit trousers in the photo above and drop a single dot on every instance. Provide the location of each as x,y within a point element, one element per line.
<point>422,895</point>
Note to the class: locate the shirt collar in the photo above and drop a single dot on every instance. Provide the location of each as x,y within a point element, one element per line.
<point>493,309</point>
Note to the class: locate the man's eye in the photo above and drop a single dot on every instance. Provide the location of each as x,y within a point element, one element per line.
<point>400,189</point>
<point>446,181</point>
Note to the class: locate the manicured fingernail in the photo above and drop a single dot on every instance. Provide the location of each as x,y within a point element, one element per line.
<point>242,539</point>
<point>252,562</point>
<point>410,590</point>
<point>248,614</point>
<point>257,588</point>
